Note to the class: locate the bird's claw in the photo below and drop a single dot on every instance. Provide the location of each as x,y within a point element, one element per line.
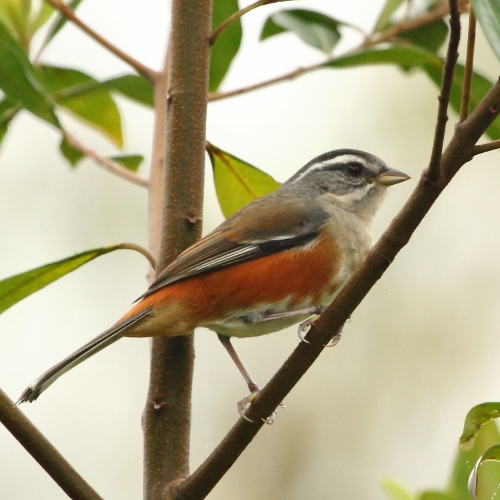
<point>334,340</point>
<point>246,402</point>
<point>305,326</point>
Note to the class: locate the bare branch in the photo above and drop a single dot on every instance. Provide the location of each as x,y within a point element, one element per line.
<point>67,12</point>
<point>469,66</point>
<point>107,163</point>
<point>433,171</point>
<point>484,148</point>
<point>37,445</point>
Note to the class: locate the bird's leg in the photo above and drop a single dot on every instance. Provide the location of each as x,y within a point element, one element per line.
<point>226,342</point>
<point>260,316</point>
<point>264,316</point>
<point>254,389</point>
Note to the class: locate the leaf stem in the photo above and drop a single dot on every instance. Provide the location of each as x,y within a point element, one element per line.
<point>67,12</point>
<point>235,16</point>
<point>138,248</point>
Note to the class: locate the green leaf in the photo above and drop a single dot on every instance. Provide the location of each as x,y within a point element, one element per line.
<point>19,81</point>
<point>491,454</point>
<point>14,15</point>
<point>270,29</point>
<point>131,162</point>
<point>23,18</point>
<point>395,490</point>
<point>430,36</point>
<point>465,460</point>
<point>8,110</point>
<point>315,29</point>
<point>41,17</point>
<point>85,97</point>
<point>434,495</point>
<point>475,419</point>
<point>384,19</point>
<point>402,55</point>
<point>71,154</point>
<point>20,286</point>
<point>3,131</point>
<point>59,23</point>
<point>480,86</point>
<point>226,45</point>
<point>488,15</point>
<point>237,182</point>
<point>134,87</point>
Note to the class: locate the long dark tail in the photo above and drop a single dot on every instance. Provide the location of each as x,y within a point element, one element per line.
<point>94,346</point>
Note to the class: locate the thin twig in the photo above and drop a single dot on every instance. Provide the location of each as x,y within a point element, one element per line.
<point>484,148</point>
<point>202,481</point>
<point>107,163</point>
<point>235,16</point>
<point>67,12</point>
<point>37,445</point>
<point>469,66</point>
<point>433,171</point>
<point>402,27</point>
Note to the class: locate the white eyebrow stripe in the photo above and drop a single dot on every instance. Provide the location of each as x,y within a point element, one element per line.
<point>330,163</point>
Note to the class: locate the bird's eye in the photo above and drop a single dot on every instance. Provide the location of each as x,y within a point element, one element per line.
<point>354,169</point>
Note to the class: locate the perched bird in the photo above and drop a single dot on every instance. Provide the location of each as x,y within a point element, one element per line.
<point>275,262</point>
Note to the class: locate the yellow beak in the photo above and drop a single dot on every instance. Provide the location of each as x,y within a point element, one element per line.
<point>390,177</point>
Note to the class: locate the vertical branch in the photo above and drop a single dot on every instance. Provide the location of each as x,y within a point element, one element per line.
<point>166,419</point>
<point>155,185</point>
<point>469,66</point>
<point>433,172</point>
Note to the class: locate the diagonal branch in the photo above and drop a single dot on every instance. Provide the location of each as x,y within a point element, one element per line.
<point>104,162</point>
<point>67,12</point>
<point>444,97</point>
<point>458,152</point>
<point>43,451</point>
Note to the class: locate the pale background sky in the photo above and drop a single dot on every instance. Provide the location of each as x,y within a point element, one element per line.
<point>389,400</point>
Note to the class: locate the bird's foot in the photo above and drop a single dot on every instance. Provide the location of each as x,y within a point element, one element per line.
<point>246,402</point>
<point>305,326</point>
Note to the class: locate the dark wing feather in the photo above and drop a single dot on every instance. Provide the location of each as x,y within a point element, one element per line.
<point>291,225</point>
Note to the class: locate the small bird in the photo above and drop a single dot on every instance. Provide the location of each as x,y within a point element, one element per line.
<point>279,260</point>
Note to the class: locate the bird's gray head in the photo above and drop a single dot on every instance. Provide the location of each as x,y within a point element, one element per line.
<point>351,179</point>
